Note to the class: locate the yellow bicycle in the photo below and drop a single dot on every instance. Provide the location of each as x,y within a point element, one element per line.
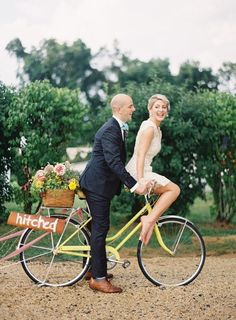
<point>174,256</point>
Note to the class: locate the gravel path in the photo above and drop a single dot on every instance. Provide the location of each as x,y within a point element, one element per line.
<point>211,296</point>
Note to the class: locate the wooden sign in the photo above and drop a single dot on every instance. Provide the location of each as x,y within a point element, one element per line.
<point>36,222</point>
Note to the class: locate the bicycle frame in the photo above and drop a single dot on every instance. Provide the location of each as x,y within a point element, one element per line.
<point>78,250</point>
<point>75,250</point>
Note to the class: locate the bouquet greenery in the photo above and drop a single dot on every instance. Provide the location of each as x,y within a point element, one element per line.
<point>60,176</point>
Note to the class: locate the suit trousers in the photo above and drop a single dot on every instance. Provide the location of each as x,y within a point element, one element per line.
<point>100,210</point>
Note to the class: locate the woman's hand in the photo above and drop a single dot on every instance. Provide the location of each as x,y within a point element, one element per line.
<point>144,186</point>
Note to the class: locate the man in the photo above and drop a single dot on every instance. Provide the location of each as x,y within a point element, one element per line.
<point>102,180</point>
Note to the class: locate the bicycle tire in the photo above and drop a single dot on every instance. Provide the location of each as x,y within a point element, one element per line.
<point>163,269</point>
<point>64,269</point>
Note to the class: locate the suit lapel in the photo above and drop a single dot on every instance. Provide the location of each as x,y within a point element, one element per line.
<point>123,148</point>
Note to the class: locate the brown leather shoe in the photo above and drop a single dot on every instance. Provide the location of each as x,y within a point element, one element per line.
<point>104,286</point>
<point>88,276</point>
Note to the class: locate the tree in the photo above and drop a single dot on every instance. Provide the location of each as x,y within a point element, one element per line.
<point>217,150</point>
<point>62,64</point>
<point>227,76</point>
<point>193,77</point>
<point>143,72</point>
<point>6,96</point>
<point>121,69</point>
<point>44,120</point>
<point>208,121</point>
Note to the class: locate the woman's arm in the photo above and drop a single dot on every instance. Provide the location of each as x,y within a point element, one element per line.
<point>143,146</point>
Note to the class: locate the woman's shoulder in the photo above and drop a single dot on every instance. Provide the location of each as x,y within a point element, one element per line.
<point>147,124</point>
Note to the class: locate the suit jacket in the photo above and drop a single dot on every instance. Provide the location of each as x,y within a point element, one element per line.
<point>105,172</point>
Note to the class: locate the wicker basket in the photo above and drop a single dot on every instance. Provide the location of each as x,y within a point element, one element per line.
<point>58,198</point>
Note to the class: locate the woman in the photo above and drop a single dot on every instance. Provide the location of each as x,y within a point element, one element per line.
<point>147,146</point>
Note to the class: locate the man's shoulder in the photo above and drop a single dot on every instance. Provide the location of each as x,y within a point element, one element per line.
<point>112,122</point>
<point>111,128</point>
<point>109,125</point>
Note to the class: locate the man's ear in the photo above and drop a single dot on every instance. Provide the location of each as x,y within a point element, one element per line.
<point>119,109</point>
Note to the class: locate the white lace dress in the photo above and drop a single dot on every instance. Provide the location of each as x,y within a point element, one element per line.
<point>153,150</point>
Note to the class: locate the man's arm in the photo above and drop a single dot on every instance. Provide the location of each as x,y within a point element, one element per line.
<point>110,141</point>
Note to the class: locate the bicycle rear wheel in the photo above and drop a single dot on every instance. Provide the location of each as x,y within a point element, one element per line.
<point>163,269</point>
<point>45,266</point>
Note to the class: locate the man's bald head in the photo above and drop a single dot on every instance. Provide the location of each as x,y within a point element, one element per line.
<point>122,106</point>
<point>119,101</point>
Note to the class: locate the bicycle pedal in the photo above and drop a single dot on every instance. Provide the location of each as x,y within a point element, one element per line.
<point>126,264</point>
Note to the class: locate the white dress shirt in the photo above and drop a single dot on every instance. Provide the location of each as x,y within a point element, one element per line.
<point>121,124</point>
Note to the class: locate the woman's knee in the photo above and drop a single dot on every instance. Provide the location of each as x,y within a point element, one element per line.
<point>175,189</point>
<point>170,187</point>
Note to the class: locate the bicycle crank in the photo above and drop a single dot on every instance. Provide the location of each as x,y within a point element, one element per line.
<point>125,264</point>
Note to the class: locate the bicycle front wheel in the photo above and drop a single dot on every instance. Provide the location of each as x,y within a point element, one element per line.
<point>45,265</point>
<point>164,269</point>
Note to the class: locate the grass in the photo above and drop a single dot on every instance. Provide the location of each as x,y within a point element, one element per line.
<point>200,211</point>
<point>219,239</point>
<point>200,214</point>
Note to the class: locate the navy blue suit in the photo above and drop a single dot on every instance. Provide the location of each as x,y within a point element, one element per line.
<point>101,181</point>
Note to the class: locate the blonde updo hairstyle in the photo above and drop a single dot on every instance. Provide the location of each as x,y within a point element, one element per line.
<point>156,97</point>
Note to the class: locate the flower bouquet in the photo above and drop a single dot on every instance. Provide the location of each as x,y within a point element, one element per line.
<point>56,185</point>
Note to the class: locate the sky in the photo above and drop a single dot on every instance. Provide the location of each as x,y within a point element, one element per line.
<point>200,30</point>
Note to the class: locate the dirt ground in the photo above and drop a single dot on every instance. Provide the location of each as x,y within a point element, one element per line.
<point>211,296</point>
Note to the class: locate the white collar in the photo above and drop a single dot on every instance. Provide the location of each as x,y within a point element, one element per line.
<point>119,121</point>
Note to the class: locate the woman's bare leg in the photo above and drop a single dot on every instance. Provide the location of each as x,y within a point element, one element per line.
<point>168,194</point>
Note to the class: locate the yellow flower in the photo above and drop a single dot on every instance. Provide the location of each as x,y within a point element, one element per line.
<point>39,184</point>
<point>72,184</point>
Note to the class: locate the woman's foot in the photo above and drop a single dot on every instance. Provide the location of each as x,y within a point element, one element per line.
<point>147,229</point>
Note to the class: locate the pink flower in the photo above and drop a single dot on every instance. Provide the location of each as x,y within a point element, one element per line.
<point>60,169</point>
<point>39,174</point>
<point>42,178</point>
<point>48,168</point>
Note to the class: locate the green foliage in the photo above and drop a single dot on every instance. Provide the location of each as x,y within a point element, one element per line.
<point>193,77</point>
<point>204,123</point>
<point>74,66</point>
<point>6,96</point>
<point>44,120</point>
<point>143,72</point>
<point>62,64</point>
<point>217,152</point>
